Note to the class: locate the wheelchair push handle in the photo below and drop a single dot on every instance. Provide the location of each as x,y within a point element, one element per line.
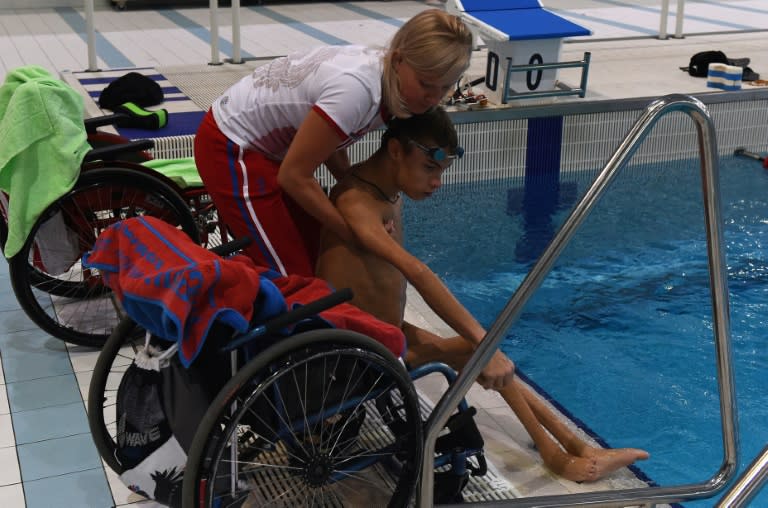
<point>292,316</point>
<point>93,123</point>
<point>114,152</point>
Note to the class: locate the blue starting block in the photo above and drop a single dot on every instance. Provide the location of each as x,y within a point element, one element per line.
<point>524,42</point>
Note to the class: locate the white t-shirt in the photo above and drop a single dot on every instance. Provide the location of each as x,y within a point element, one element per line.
<point>264,110</point>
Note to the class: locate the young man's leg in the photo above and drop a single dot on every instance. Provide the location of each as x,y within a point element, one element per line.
<point>578,462</point>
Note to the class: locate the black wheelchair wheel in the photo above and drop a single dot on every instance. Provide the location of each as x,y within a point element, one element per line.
<point>3,233</point>
<point>52,287</point>
<point>299,426</point>
<point>115,357</point>
<point>211,231</point>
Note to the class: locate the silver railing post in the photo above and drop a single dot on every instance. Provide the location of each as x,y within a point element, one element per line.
<point>236,56</point>
<point>705,128</point>
<point>90,36</point>
<point>214,14</point>
<point>679,18</point>
<point>663,19</point>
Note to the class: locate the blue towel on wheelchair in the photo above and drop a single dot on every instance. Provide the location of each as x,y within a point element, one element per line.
<point>176,289</point>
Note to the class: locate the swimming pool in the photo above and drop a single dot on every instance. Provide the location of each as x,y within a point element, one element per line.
<point>620,332</point>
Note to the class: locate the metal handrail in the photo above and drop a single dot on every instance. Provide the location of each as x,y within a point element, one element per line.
<point>749,483</point>
<point>720,310</point>
<point>507,94</point>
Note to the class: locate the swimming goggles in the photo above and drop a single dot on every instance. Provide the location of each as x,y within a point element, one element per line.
<point>438,154</point>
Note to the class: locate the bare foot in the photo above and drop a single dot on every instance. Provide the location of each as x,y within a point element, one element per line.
<point>609,460</point>
<point>595,464</point>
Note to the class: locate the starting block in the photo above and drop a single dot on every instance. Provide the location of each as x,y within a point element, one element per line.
<point>524,42</point>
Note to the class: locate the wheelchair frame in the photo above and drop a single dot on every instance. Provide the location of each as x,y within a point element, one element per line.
<point>318,451</point>
<point>74,306</point>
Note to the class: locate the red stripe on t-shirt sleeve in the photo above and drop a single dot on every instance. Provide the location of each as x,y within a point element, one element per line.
<point>344,136</point>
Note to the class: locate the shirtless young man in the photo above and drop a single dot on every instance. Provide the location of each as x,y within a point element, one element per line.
<point>411,160</point>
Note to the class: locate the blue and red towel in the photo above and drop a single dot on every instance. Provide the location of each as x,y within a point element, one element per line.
<point>176,289</point>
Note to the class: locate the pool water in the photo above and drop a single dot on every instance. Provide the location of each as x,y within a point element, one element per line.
<point>620,332</point>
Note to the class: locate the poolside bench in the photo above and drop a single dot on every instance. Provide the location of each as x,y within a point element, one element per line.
<point>524,42</point>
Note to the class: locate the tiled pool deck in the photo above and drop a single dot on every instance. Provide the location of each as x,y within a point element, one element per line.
<point>47,458</point>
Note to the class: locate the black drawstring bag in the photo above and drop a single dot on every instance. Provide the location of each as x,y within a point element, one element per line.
<point>699,64</point>
<point>132,87</point>
<point>153,459</point>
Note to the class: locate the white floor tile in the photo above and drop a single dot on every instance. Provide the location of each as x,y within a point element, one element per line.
<point>9,467</point>
<point>4,407</point>
<point>82,359</point>
<point>12,496</point>
<point>6,431</point>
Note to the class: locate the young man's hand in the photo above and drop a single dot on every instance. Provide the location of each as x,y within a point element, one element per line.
<point>498,373</point>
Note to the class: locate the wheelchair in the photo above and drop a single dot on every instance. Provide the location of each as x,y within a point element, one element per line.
<point>51,286</point>
<point>319,417</point>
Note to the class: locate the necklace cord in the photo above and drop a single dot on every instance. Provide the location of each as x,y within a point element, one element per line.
<point>378,189</point>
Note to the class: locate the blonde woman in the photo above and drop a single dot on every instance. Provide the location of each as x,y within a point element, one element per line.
<point>259,146</point>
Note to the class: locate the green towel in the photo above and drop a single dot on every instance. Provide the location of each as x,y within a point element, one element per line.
<point>183,171</point>
<point>42,145</point>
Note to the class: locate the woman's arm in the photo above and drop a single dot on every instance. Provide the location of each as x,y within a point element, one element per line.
<point>338,163</point>
<point>315,142</point>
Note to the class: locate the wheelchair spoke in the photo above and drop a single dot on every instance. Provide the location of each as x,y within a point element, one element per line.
<point>310,431</point>
<point>302,403</point>
<point>283,423</point>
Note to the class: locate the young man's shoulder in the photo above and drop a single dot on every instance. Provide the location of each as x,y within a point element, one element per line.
<point>349,190</point>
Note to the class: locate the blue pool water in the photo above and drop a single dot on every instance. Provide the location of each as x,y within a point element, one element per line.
<point>620,333</point>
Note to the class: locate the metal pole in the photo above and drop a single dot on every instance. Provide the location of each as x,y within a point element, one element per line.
<point>214,12</point>
<point>90,36</point>
<point>236,57</point>
<point>679,17</point>
<point>749,484</point>
<point>663,22</point>
<point>720,308</point>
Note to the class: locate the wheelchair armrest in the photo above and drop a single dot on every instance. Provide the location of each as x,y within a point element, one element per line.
<point>91,124</point>
<point>112,152</point>
<point>292,316</point>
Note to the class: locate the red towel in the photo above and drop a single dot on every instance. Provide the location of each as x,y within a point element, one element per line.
<point>298,290</point>
<point>170,285</point>
<point>176,289</point>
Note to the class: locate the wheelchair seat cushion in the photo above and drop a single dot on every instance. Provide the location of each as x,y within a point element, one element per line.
<point>175,288</point>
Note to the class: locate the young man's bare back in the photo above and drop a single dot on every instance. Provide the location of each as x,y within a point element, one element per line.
<point>411,160</point>
<point>381,291</point>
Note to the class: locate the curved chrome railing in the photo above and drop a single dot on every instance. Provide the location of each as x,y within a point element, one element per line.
<point>697,111</point>
<point>748,484</point>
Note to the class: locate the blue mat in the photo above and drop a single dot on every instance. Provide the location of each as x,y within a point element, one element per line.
<point>184,116</point>
<point>527,24</point>
<point>499,5</point>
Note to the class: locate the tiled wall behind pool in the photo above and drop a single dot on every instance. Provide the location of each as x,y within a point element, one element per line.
<point>500,148</point>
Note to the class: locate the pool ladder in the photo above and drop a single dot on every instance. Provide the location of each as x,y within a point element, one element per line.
<point>752,480</point>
